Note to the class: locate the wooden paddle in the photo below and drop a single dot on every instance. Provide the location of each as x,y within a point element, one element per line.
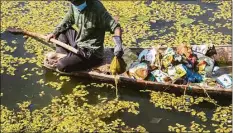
<point>21,31</point>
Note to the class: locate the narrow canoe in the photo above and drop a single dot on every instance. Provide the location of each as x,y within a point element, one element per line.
<point>223,55</point>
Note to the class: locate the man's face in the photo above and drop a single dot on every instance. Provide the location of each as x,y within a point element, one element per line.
<point>77,2</point>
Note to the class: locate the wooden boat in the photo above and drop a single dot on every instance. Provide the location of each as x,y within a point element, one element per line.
<point>223,55</point>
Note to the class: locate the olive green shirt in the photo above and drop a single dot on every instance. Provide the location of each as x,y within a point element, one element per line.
<point>90,24</point>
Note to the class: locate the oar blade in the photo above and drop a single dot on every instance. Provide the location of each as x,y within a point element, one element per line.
<point>14,30</point>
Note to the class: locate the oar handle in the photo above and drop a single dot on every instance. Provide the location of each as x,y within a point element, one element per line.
<point>66,46</point>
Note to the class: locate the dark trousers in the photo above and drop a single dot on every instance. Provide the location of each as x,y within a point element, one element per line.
<point>73,62</point>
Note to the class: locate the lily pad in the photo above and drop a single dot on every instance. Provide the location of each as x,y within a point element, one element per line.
<point>186,21</point>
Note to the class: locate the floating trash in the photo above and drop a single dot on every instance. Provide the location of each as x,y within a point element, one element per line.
<point>156,120</point>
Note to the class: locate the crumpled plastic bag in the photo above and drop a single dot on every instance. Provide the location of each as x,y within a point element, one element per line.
<point>199,50</point>
<point>209,64</point>
<point>167,60</point>
<point>184,50</point>
<point>193,60</point>
<point>177,58</point>
<point>180,71</point>
<point>171,71</point>
<point>225,81</point>
<point>117,66</point>
<point>143,54</point>
<point>168,57</point>
<point>170,51</point>
<point>201,67</point>
<point>161,76</point>
<point>138,70</point>
<point>192,76</point>
<point>129,57</point>
<point>148,55</point>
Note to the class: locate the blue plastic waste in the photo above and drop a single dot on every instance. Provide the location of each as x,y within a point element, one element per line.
<point>148,55</point>
<point>143,54</point>
<point>191,76</point>
<point>150,77</point>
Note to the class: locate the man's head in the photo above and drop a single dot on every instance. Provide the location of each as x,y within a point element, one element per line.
<point>77,2</point>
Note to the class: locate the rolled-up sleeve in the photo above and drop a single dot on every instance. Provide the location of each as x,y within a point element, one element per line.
<point>110,23</point>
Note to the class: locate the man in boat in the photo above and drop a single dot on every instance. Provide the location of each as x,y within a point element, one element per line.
<point>84,28</point>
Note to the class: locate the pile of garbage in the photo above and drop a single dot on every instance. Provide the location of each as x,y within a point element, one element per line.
<point>181,66</point>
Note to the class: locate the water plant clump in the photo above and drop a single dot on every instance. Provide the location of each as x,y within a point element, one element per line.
<point>224,11</point>
<point>69,113</point>
<point>135,19</point>
<point>194,127</point>
<point>221,119</point>
<point>182,104</point>
<point>221,122</point>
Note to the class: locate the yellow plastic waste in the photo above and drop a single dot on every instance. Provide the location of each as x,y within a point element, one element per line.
<point>180,71</point>
<point>201,66</point>
<point>117,66</point>
<point>139,71</point>
<point>167,60</point>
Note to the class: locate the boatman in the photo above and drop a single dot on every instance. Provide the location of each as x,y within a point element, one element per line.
<point>84,27</point>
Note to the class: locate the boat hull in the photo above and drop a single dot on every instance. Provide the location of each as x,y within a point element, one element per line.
<point>166,87</point>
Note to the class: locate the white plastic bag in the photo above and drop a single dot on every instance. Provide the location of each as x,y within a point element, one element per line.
<point>148,55</point>
<point>199,50</point>
<point>225,81</point>
<point>159,75</point>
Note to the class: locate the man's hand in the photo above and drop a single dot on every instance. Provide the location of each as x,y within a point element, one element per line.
<point>50,36</point>
<point>118,50</point>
